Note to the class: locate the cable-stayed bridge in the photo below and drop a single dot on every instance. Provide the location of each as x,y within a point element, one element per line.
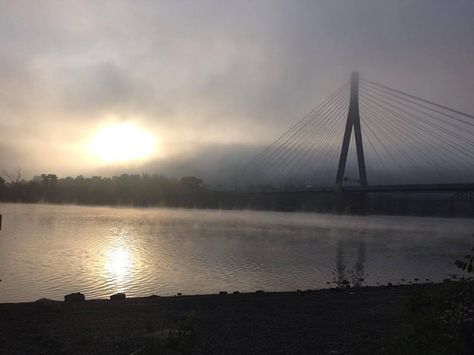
<point>368,137</point>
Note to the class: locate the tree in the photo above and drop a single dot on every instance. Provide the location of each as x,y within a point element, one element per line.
<point>191,182</point>
<point>13,176</point>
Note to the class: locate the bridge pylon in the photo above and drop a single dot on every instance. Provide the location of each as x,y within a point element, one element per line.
<point>353,120</point>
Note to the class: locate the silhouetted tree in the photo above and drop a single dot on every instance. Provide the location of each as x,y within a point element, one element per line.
<point>13,176</point>
<point>191,182</point>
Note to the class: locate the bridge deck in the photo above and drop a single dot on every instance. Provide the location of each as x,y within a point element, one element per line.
<point>380,188</point>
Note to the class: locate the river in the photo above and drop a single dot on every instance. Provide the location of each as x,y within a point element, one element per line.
<point>52,250</point>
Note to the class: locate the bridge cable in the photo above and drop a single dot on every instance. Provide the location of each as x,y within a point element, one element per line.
<point>265,160</point>
<point>382,103</point>
<point>429,132</point>
<point>318,139</point>
<point>392,139</point>
<point>376,136</point>
<point>410,142</point>
<point>394,92</point>
<point>391,102</point>
<point>419,130</point>
<point>290,149</point>
<point>320,160</point>
<point>283,139</point>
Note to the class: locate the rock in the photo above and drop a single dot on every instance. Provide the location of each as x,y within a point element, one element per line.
<point>236,292</point>
<point>74,297</point>
<point>179,294</point>
<point>152,297</point>
<point>118,297</point>
<point>45,302</point>
<point>222,292</point>
<point>259,291</point>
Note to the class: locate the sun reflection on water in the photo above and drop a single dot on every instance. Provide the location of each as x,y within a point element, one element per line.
<point>118,263</point>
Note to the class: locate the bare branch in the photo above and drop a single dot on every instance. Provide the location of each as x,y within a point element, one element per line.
<point>13,176</point>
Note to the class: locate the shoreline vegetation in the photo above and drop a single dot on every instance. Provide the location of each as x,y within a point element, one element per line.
<point>192,192</point>
<point>358,320</point>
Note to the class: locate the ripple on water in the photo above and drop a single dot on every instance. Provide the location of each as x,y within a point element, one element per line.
<point>49,251</point>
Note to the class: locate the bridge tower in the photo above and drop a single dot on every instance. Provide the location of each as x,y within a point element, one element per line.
<point>353,120</point>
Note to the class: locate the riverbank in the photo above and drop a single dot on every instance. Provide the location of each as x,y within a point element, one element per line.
<point>332,321</point>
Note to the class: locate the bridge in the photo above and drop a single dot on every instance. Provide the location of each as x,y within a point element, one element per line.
<point>368,138</point>
<point>400,142</point>
<point>377,188</point>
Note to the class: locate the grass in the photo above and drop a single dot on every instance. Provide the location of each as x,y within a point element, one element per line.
<point>438,320</point>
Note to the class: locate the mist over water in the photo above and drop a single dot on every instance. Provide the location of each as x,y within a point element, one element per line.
<point>52,250</point>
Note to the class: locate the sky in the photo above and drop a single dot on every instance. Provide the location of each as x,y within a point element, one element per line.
<point>208,83</point>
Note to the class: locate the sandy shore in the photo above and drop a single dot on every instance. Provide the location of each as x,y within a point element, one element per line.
<point>349,321</point>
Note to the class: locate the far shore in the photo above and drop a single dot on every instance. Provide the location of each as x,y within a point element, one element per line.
<point>329,321</point>
<point>246,209</point>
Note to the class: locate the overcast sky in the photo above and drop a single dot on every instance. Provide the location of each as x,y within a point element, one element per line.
<point>202,74</point>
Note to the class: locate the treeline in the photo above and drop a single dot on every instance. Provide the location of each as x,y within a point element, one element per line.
<point>148,190</point>
<point>192,192</point>
<point>133,190</point>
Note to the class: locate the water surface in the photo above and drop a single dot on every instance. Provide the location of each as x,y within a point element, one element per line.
<point>51,250</point>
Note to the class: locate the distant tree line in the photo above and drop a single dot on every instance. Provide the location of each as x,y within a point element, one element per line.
<point>135,190</point>
<point>192,192</point>
<point>148,190</point>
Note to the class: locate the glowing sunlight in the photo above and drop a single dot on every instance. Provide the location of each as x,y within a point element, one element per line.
<point>122,142</point>
<point>118,262</point>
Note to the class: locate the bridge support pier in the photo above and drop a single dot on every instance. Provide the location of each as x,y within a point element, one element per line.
<point>353,120</point>
<point>356,202</point>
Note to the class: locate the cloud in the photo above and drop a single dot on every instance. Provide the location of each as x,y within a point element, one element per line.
<point>100,88</point>
<point>214,73</point>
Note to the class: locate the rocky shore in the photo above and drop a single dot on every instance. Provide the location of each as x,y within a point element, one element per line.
<point>333,321</point>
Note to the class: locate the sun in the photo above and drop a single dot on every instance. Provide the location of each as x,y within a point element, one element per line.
<point>122,142</point>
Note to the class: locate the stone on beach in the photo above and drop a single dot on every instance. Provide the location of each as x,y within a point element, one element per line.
<point>45,302</point>
<point>118,297</point>
<point>74,297</point>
